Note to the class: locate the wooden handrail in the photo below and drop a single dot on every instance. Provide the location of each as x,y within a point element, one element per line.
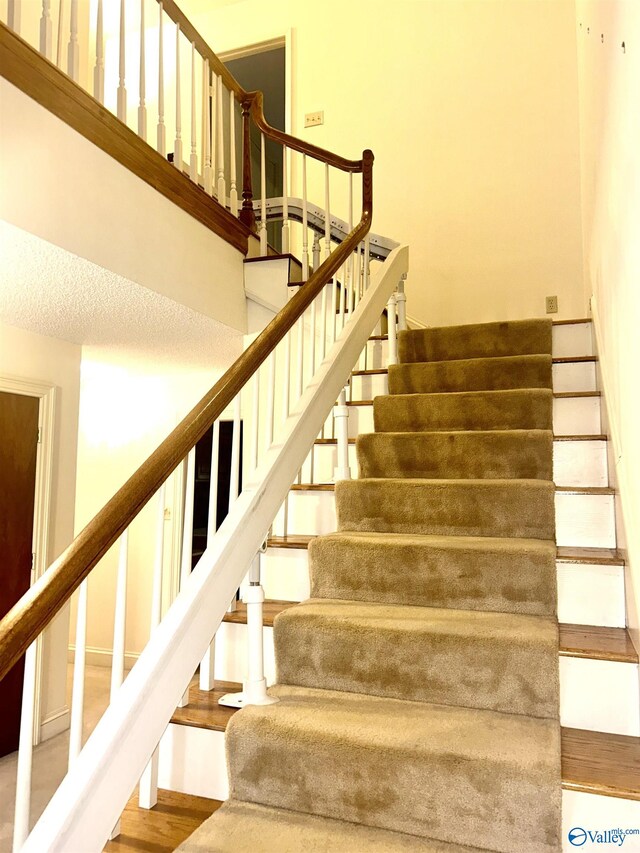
<point>32,613</point>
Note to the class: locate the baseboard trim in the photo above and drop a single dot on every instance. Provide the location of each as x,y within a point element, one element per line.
<point>95,656</point>
<point>54,724</point>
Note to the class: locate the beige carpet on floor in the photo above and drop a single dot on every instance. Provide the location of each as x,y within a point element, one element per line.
<point>418,688</point>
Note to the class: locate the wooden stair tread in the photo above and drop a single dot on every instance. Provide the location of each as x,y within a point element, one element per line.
<point>561,395</point>
<point>375,372</point>
<point>575,359</point>
<point>203,711</point>
<point>331,441</point>
<point>313,487</point>
<point>597,643</point>
<point>164,827</point>
<point>571,322</point>
<point>300,541</point>
<point>601,763</point>
<point>359,402</point>
<point>270,610</point>
<point>590,556</point>
<point>379,338</point>
<point>580,437</point>
<point>586,490</point>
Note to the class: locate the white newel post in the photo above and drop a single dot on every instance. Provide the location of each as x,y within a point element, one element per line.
<point>98,71</point>
<point>142,108</point>
<point>46,29</point>
<point>341,420</point>
<point>73,52</point>
<point>122,91</point>
<point>254,690</point>
<point>391,330</point>
<point>401,299</point>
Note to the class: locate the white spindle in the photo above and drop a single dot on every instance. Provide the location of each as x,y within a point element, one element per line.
<point>120,617</point>
<point>235,453</point>
<point>177,147</point>
<point>263,197</point>
<point>162,130</point>
<point>14,15</point>
<point>46,30</point>
<point>206,126</point>
<point>271,392</point>
<point>187,536</point>
<point>207,665</point>
<point>323,309</point>
<point>343,295</point>
<point>367,258</point>
<point>286,388</point>
<point>77,695</point>
<point>213,94</point>
<point>300,355</point>
<point>142,109</point>
<point>356,280</point>
<point>60,31</point>
<point>351,261</point>
<point>341,427</point>
<point>98,71</point>
<point>222,184</point>
<point>255,419</point>
<point>327,214</point>
<point>148,789</point>
<point>233,191</point>
<point>285,203</point>
<point>305,233</point>
<point>193,159</point>
<point>122,91</point>
<point>73,51</point>
<point>312,342</point>
<point>25,752</point>
<point>315,252</point>
<point>391,330</point>
<point>401,300</point>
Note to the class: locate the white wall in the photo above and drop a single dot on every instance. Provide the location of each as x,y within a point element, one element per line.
<point>610,130</point>
<point>30,356</point>
<point>58,186</point>
<point>470,107</point>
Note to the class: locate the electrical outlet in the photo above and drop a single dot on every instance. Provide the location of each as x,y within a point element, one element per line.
<point>311,119</point>
<point>552,304</point>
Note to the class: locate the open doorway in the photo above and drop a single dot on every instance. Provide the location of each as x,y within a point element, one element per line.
<point>264,67</point>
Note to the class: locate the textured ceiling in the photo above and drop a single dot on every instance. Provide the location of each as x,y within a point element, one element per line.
<point>48,290</point>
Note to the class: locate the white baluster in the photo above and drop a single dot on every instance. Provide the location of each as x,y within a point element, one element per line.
<point>142,109</point>
<point>341,428</point>
<point>213,92</point>
<point>46,31</point>
<point>327,214</point>
<point>300,355</point>
<point>351,261</point>
<point>356,278</point>
<point>222,184</point>
<point>73,51</point>
<point>263,197</point>
<point>391,330</point>
<point>193,160</point>
<point>177,146</point>
<point>255,419</point>
<point>119,631</point>
<point>235,453</point>
<point>206,125</point>
<point>14,15</point>
<point>401,300</point>
<point>285,203</point>
<point>77,696</point>
<point>286,388</point>
<point>148,789</point>
<point>271,392</point>
<point>313,335</point>
<point>162,130</point>
<point>187,536</point>
<point>233,192</point>
<point>315,252</point>
<point>207,665</point>
<point>98,71</point>
<point>367,260</point>
<point>343,295</point>
<point>122,91</point>
<point>60,31</point>
<point>305,232</point>
<point>25,752</point>
<point>323,310</point>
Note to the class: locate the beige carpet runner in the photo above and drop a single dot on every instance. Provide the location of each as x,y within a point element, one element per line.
<point>418,686</point>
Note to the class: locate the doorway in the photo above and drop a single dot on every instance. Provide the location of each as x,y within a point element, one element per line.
<point>264,67</point>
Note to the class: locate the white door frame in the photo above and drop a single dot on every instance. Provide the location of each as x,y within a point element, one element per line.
<point>46,394</point>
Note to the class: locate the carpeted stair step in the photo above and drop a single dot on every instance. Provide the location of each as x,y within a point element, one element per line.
<point>239,827</point>
<point>530,408</point>
<point>481,340</point>
<point>464,572</point>
<point>474,374</point>
<point>491,454</point>
<point>511,508</point>
<point>469,658</point>
<point>463,776</point>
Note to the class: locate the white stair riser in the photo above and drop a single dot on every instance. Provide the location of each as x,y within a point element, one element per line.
<point>600,695</point>
<point>369,386</point>
<point>576,416</point>
<point>585,521</point>
<point>572,340</point>
<point>580,463</point>
<point>591,594</point>
<point>574,376</point>
<point>377,355</point>
<point>231,653</point>
<point>587,594</point>
<point>324,463</point>
<point>306,512</point>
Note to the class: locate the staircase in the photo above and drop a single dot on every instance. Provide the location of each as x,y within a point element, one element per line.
<point>433,613</point>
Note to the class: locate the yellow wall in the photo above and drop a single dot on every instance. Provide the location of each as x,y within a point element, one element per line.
<point>470,107</point>
<point>610,137</point>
